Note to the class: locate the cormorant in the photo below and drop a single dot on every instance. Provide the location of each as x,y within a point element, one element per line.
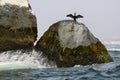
<point>74,16</point>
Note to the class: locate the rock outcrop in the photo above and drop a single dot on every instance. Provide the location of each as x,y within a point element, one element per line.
<point>69,43</point>
<point>18,26</point>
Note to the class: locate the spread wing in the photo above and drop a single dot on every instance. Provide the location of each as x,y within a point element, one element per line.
<point>70,15</point>
<point>79,16</point>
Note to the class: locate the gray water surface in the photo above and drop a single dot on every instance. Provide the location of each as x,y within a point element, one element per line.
<point>107,71</point>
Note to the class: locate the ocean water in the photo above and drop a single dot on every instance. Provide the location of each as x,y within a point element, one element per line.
<point>26,65</point>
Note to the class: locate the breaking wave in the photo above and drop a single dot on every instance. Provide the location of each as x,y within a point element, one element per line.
<point>23,60</point>
<point>113,49</point>
<point>113,45</point>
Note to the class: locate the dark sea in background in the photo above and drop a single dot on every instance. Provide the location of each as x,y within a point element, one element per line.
<point>25,65</point>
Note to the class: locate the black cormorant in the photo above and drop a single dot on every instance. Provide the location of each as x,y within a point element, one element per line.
<point>74,16</point>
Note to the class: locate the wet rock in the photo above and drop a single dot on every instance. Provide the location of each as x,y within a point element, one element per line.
<point>68,43</point>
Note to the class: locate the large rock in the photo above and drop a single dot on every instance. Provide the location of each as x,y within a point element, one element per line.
<point>18,27</point>
<point>69,43</point>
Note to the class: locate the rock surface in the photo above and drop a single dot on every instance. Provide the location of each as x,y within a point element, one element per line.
<point>18,26</point>
<point>69,43</point>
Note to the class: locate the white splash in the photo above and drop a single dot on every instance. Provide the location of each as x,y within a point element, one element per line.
<point>23,60</point>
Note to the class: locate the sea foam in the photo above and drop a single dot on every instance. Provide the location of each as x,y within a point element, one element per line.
<point>23,60</point>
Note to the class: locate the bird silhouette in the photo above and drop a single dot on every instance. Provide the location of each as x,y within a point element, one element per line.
<point>74,16</point>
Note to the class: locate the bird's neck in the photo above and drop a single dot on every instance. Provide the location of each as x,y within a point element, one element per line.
<point>74,14</point>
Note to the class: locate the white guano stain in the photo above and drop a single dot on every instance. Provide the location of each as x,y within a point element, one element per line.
<point>73,34</point>
<point>21,3</point>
